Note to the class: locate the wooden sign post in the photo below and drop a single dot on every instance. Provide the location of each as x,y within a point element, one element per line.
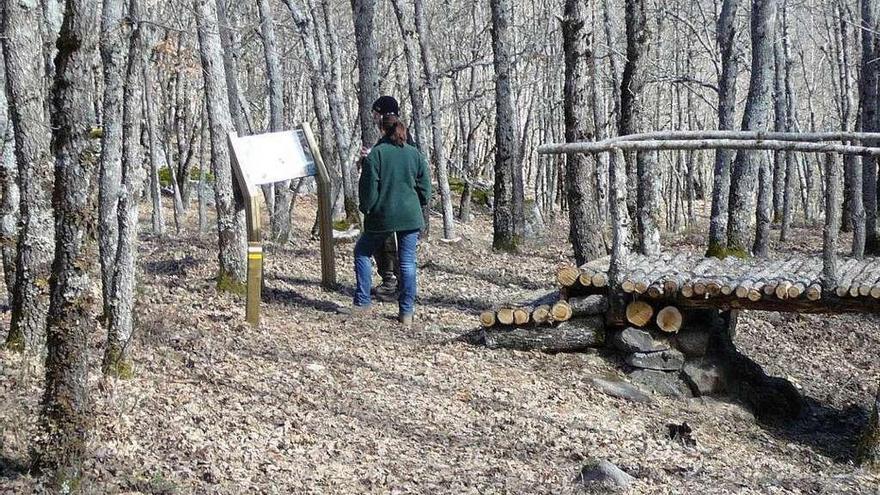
<point>277,157</point>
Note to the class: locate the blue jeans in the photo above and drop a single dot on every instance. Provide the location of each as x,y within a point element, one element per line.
<point>371,242</point>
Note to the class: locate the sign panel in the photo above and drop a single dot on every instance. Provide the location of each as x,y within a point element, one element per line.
<point>278,157</point>
<point>274,157</point>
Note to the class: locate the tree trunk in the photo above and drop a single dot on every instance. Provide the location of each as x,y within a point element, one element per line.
<point>756,118</point>
<point>508,219</point>
<point>9,193</point>
<point>585,228</point>
<point>439,154</point>
<point>761,248</point>
<point>339,115</point>
<point>64,418</point>
<point>410,47</point>
<point>22,49</point>
<point>644,179</point>
<point>120,298</point>
<point>368,67</point>
<point>780,112</point>
<point>726,41</point>
<point>281,215</point>
<point>114,36</point>
<point>230,213</point>
<point>153,139</point>
<point>868,101</point>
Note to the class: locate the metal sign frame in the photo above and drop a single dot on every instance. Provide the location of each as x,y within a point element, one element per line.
<point>249,192</point>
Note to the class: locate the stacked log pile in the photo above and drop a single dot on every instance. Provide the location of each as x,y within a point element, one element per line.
<point>793,283</point>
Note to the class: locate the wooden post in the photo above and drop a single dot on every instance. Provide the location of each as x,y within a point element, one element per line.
<point>832,223</point>
<point>325,213</point>
<point>254,282</point>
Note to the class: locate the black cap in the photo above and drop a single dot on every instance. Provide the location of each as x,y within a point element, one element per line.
<point>386,105</point>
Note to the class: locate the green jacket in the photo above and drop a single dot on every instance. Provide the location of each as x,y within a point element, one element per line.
<point>394,187</point>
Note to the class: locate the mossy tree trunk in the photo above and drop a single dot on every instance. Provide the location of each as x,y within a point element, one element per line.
<point>65,418</point>
<point>508,215</point>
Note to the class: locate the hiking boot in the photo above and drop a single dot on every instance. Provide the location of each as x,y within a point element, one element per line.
<point>354,310</point>
<point>405,320</point>
<point>386,291</point>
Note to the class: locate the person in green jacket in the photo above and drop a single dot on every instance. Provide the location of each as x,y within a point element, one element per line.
<point>394,187</point>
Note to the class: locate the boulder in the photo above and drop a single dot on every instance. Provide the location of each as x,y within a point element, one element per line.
<point>671,360</point>
<point>667,383</point>
<point>633,339</point>
<point>604,472</point>
<point>703,377</point>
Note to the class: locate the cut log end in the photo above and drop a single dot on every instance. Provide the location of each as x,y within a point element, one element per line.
<point>669,319</point>
<point>586,279</point>
<point>639,313</point>
<point>520,316</point>
<point>541,314</point>
<point>505,316</point>
<point>487,319</point>
<point>599,280</point>
<point>567,276</point>
<point>814,292</point>
<point>561,311</point>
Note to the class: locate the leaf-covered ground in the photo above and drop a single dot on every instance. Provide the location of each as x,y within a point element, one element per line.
<point>316,402</point>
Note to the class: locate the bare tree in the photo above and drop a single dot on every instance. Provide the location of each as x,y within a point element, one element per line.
<point>585,229</point>
<point>9,194</point>
<point>119,303</point>
<point>22,50</point>
<point>725,39</point>
<point>868,101</point>
<point>508,217</point>
<point>230,214</point>
<point>646,179</point>
<point>64,417</point>
<point>439,154</point>
<point>755,118</point>
<point>114,37</point>
<point>281,215</point>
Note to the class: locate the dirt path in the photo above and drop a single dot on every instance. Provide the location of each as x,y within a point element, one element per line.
<point>315,402</point>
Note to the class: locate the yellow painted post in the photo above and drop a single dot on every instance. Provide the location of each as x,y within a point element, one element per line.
<point>254,282</point>
<point>325,213</point>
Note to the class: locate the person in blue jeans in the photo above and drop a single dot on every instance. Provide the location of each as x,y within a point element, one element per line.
<point>394,187</point>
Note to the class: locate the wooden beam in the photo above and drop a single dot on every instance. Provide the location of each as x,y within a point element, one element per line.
<point>707,144</point>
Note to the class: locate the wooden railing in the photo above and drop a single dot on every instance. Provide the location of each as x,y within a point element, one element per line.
<point>816,142</point>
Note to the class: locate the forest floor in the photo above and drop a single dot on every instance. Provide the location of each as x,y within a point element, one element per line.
<point>317,402</point>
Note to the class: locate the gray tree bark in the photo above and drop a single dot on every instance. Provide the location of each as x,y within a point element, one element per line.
<point>585,228</point>
<point>153,141</point>
<point>368,67</point>
<point>410,48</point>
<point>642,168</point>
<point>281,215</point>
<point>508,218</point>
<point>22,50</point>
<point>725,38</point>
<point>439,155</point>
<point>9,194</point>
<point>120,299</point>
<point>64,418</point>
<point>230,213</point>
<point>868,101</point>
<point>756,118</point>
<point>114,39</point>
